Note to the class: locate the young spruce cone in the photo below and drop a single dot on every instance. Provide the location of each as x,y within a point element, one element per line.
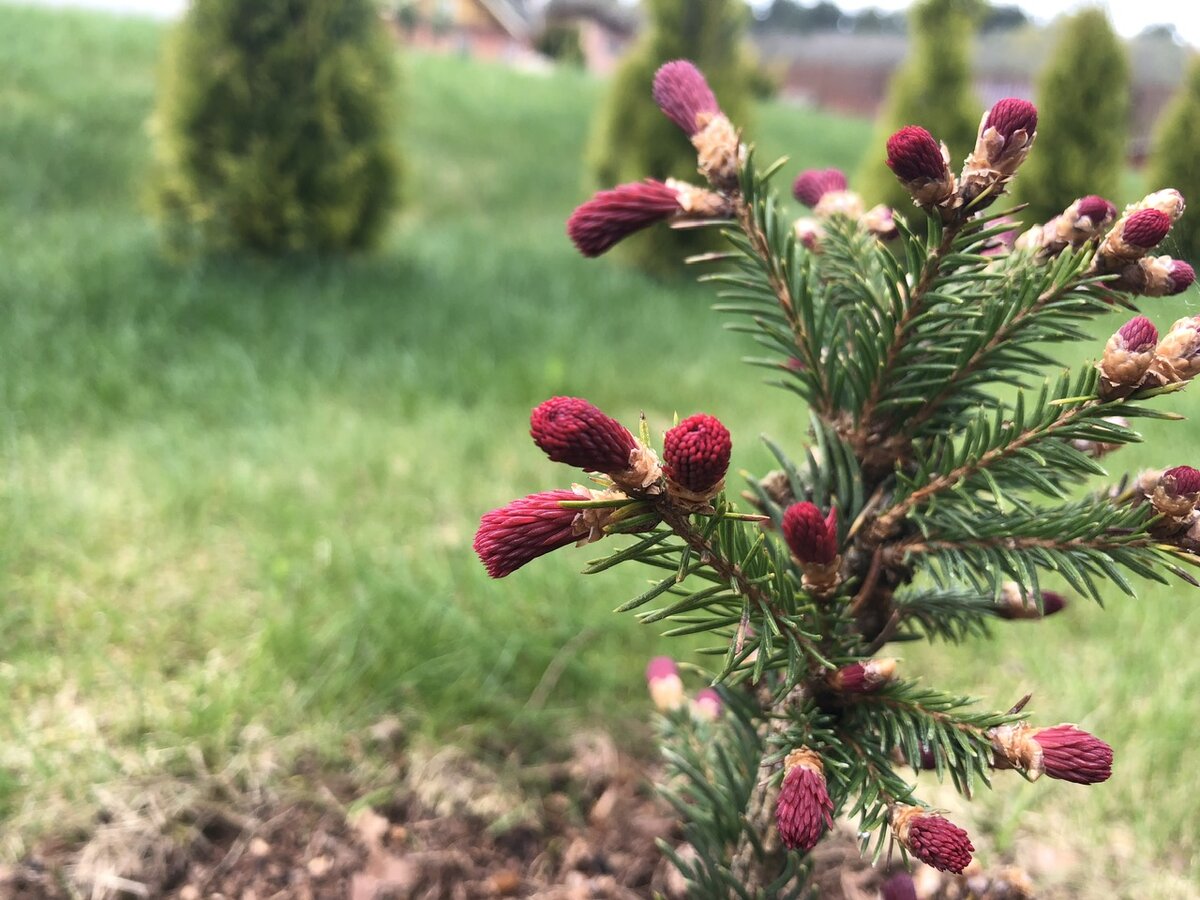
<point>525,529</point>
<point>696,457</point>
<point>932,839</point>
<point>803,810</point>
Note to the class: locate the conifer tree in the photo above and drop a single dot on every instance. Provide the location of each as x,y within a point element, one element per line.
<point>630,138</point>
<point>1175,158</point>
<point>273,128</point>
<point>1083,93</point>
<point>928,503</point>
<point>933,86</point>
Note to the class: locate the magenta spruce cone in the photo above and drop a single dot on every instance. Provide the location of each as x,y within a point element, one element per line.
<point>1181,481</point>
<point>914,155</point>
<point>525,529</point>
<point>1063,752</point>
<point>1052,602</point>
<point>1071,754</point>
<point>863,677</point>
<point>1183,276</point>
<point>683,94</point>
<point>811,536</point>
<point>1010,115</point>
<point>803,810</point>
<point>1146,228</point>
<point>1096,208</point>
<point>932,839</point>
<point>1138,335</point>
<point>696,453</point>
<point>813,184</point>
<point>898,887</point>
<point>572,431</point>
<point>611,216</point>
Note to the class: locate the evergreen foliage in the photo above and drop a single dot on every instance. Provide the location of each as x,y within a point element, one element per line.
<point>630,138</point>
<point>1175,159</point>
<point>1083,94</point>
<point>929,504</point>
<point>561,43</point>
<point>273,126</point>
<point>932,87</point>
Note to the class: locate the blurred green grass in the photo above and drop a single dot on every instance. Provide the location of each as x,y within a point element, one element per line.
<point>239,495</point>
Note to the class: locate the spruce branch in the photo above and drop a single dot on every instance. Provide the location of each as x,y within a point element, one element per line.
<point>909,515</point>
<point>774,261</point>
<point>1048,302</point>
<point>1027,445</point>
<point>941,241</point>
<point>751,589</point>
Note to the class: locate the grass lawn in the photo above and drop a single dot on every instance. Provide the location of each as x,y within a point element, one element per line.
<point>237,496</point>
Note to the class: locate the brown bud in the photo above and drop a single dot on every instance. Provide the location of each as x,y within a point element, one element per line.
<point>1177,356</point>
<point>813,539</point>
<point>809,233</point>
<point>1063,752</point>
<point>719,151</point>
<point>1128,355</point>
<point>1005,135</point>
<point>880,220</point>
<point>1155,276</point>
<point>864,677</point>
<point>813,184</point>
<point>1087,219</point>
<point>1177,493</point>
<point>923,167</point>
<point>1015,605</point>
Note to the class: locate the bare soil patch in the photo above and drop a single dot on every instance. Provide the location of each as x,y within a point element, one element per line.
<point>451,828</point>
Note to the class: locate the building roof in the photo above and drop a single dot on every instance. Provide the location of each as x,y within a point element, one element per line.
<point>512,15</point>
<point>614,16</point>
<point>1018,54</point>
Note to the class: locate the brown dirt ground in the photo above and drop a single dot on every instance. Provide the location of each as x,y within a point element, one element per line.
<point>584,828</point>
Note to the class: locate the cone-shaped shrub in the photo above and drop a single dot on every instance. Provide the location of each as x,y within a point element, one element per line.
<point>1083,98</point>
<point>633,139</point>
<point>932,89</point>
<point>1176,160</point>
<point>273,128</point>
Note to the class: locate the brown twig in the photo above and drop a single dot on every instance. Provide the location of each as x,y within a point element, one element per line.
<point>888,519</point>
<point>681,524</point>
<point>755,872</point>
<point>931,406</point>
<point>869,582</point>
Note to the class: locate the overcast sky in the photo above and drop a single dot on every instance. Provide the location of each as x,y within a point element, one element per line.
<point>1129,16</point>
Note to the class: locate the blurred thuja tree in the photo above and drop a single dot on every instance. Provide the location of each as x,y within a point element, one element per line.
<point>1175,158</point>
<point>630,139</point>
<point>933,86</point>
<point>273,126</point>
<point>928,506</point>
